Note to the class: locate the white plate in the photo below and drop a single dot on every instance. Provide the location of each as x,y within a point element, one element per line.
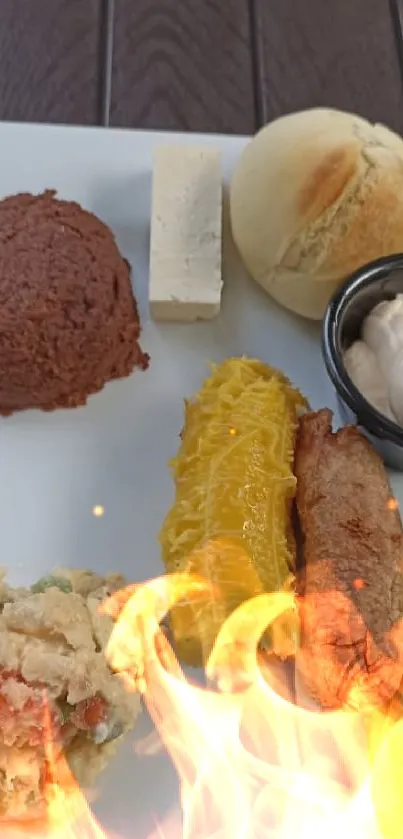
<point>56,467</point>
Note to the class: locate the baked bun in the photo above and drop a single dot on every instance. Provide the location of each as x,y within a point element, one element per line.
<point>314,196</point>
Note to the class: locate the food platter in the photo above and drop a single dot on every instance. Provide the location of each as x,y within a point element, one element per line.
<point>114,452</point>
<point>61,469</point>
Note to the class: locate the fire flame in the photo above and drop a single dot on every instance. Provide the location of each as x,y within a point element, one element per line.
<point>251,763</point>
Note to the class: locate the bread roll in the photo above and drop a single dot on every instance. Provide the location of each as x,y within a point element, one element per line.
<point>314,196</point>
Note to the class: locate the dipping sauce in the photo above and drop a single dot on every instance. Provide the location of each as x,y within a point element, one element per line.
<point>375,362</point>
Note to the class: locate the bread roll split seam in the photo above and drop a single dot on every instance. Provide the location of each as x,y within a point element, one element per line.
<point>308,209</point>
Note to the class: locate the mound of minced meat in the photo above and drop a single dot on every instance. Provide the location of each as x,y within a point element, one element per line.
<point>68,317</point>
<point>55,683</point>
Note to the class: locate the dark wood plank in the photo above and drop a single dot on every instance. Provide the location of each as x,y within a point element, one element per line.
<point>396,8</point>
<point>183,64</point>
<point>50,55</point>
<point>339,53</point>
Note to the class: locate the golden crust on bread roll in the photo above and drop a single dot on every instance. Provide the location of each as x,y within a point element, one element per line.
<point>314,196</point>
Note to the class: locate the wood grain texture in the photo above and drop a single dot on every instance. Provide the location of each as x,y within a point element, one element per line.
<point>339,53</point>
<point>50,60</point>
<point>396,8</point>
<point>184,65</point>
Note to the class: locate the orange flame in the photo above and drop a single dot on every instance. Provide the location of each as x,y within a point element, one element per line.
<point>68,814</point>
<point>251,763</point>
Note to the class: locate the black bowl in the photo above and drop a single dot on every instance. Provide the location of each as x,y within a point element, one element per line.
<point>380,280</point>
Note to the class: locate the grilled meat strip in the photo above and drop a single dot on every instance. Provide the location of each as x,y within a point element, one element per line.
<point>351,586</point>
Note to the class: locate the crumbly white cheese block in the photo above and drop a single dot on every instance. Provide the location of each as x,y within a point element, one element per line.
<point>186,234</point>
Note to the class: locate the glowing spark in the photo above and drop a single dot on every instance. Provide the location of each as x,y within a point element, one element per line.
<point>98,511</point>
<point>392,504</point>
<point>359,583</point>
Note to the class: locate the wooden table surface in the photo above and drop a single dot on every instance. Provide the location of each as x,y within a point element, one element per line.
<point>199,65</point>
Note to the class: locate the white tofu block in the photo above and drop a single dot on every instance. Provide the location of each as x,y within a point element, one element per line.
<point>186,234</point>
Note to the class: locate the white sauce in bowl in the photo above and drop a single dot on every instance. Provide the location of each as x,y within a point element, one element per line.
<point>375,362</point>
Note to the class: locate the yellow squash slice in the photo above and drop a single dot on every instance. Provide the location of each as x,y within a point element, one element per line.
<point>230,521</point>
